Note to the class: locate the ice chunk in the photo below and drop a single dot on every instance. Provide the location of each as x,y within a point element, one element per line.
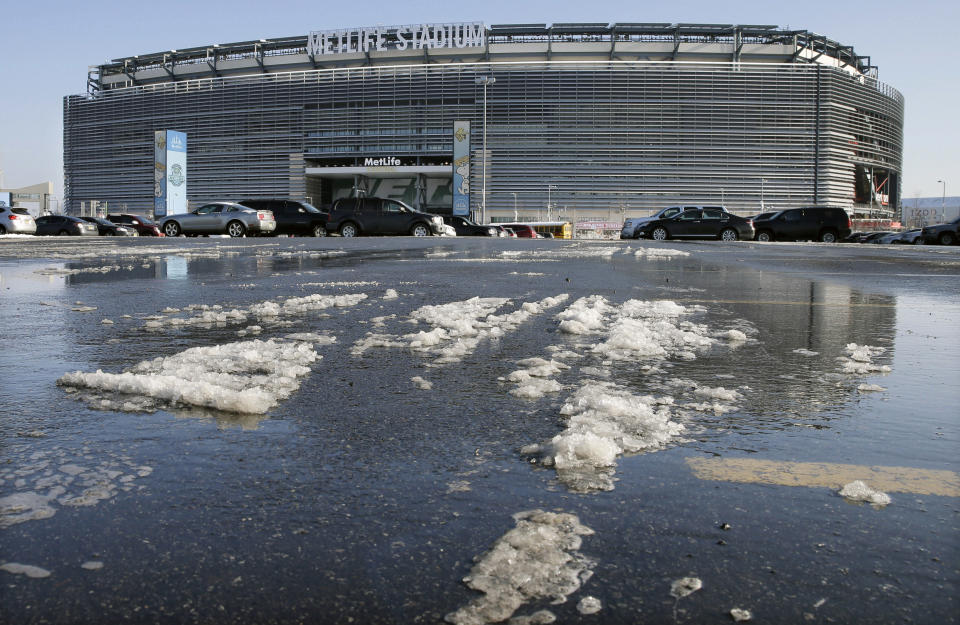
<point>421,383</point>
<point>859,360</point>
<point>391,294</point>
<point>589,605</point>
<point>245,377</point>
<point>605,421</point>
<point>685,586</point>
<point>805,352</point>
<point>538,559</point>
<point>24,569</point>
<point>585,316</point>
<point>739,615</point>
<point>870,388</point>
<point>859,491</point>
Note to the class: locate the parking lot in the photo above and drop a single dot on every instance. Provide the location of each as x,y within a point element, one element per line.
<point>421,430</point>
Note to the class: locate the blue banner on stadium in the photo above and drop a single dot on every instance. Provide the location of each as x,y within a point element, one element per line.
<point>461,168</point>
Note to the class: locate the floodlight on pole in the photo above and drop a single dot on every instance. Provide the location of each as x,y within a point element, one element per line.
<point>943,200</point>
<point>485,81</point>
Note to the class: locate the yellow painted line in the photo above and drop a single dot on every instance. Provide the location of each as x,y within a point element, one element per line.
<point>826,475</point>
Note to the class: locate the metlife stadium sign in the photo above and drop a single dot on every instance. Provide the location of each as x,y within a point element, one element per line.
<point>384,38</point>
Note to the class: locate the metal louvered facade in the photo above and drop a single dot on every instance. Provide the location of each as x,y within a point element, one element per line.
<point>610,137</point>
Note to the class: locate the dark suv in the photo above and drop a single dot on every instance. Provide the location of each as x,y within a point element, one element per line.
<point>811,223</point>
<point>353,216</point>
<point>293,216</point>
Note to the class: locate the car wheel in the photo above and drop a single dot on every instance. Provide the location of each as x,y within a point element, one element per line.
<point>236,229</point>
<point>828,236</point>
<point>319,230</point>
<point>420,230</point>
<point>918,241</point>
<point>948,238</point>
<point>171,229</point>
<point>109,233</point>
<point>63,233</point>
<point>765,236</point>
<point>729,234</point>
<point>3,230</point>
<point>348,230</point>
<point>660,234</point>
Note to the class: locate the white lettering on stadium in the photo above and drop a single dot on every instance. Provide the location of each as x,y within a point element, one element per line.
<point>387,161</point>
<point>382,38</point>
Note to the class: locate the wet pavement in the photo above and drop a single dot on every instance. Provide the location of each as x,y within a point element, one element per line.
<point>364,430</point>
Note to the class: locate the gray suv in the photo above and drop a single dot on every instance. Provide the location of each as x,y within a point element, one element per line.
<point>351,217</point>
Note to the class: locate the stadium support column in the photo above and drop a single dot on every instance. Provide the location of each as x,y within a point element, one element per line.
<point>485,81</point>
<point>816,142</point>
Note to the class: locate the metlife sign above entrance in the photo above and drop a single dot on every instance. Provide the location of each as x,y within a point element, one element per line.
<point>384,38</point>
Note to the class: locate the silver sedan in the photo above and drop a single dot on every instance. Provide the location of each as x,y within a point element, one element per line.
<point>229,218</point>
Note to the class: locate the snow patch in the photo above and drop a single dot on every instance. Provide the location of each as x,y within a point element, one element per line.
<point>536,560</point>
<point>859,491</point>
<point>245,377</point>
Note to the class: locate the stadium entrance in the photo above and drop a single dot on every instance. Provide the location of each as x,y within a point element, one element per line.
<point>425,186</point>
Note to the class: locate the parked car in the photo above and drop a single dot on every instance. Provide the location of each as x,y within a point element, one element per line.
<point>697,223</point>
<point>875,237</point>
<point>631,227</point>
<point>522,231</point>
<point>293,216</point>
<point>896,238</point>
<point>909,237</point>
<point>855,237</point>
<point>944,234</point>
<point>16,220</point>
<point>229,218</point>
<point>509,233</point>
<point>144,227</point>
<point>64,225</point>
<point>466,228</point>
<point>110,229</point>
<point>811,223</point>
<point>350,217</point>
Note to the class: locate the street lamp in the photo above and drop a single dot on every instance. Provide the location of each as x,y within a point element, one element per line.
<point>516,215</point>
<point>549,186</point>
<point>762,180</point>
<point>484,80</point>
<point>943,200</point>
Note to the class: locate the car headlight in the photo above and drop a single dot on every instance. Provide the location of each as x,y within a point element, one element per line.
<point>492,232</point>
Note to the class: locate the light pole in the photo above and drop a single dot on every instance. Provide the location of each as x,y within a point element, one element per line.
<point>762,180</point>
<point>516,215</point>
<point>549,186</point>
<point>485,81</point>
<point>943,201</point>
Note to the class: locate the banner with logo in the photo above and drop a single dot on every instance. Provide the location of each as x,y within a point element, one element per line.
<point>461,168</point>
<point>169,173</point>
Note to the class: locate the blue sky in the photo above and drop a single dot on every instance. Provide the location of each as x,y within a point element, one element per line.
<point>47,47</point>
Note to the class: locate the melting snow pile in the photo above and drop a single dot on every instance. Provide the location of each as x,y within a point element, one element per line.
<point>458,327</point>
<point>859,360</point>
<point>265,311</point>
<point>685,586</point>
<point>859,491</point>
<point>655,252</point>
<point>245,377</point>
<point>538,559</point>
<point>604,422</point>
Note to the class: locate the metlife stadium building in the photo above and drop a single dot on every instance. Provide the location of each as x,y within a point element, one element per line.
<point>608,120</point>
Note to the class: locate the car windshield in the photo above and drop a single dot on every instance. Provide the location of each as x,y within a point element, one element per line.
<point>19,211</point>
<point>145,221</point>
<point>310,208</point>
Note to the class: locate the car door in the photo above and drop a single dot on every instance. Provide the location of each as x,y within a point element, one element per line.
<point>793,224</point>
<point>205,220</point>
<point>394,219</point>
<point>297,218</point>
<point>712,222</point>
<point>687,224</point>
